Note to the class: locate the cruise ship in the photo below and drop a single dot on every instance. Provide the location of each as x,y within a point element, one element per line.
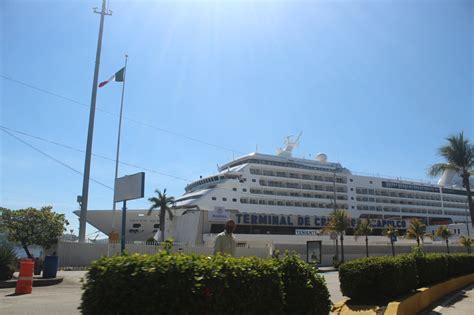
<point>269,195</point>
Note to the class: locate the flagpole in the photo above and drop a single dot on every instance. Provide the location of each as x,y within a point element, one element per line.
<point>118,143</point>
<point>84,198</point>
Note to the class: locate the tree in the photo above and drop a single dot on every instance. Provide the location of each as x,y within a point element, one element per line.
<point>364,229</point>
<point>391,233</point>
<point>162,202</point>
<point>416,230</point>
<point>459,156</point>
<point>34,227</point>
<point>445,234</point>
<point>466,242</point>
<point>338,222</point>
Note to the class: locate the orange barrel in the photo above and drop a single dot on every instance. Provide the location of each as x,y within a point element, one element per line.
<point>24,284</point>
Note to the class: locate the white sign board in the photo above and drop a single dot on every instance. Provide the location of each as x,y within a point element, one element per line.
<point>130,187</point>
<point>306,232</point>
<point>218,215</point>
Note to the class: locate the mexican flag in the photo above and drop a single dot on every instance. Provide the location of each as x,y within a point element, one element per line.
<point>118,77</point>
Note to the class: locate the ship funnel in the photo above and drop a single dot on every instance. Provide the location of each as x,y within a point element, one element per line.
<point>447,178</point>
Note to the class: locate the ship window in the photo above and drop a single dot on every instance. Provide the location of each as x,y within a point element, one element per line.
<point>224,199</point>
<point>214,198</point>
<point>136,225</point>
<point>156,226</point>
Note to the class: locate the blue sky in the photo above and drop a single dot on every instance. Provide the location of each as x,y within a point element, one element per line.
<point>376,85</point>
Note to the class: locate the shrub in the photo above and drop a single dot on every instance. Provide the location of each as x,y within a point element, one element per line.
<point>460,264</point>
<point>375,279</point>
<point>189,284</point>
<point>305,290</point>
<point>7,262</point>
<point>431,268</point>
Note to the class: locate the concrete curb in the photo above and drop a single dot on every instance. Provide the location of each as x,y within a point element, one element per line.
<point>424,297</point>
<point>37,282</point>
<point>412,304</point>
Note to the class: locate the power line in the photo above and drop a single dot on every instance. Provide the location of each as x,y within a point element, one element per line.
<point>52,158</point>
<point>96,155</point>
<point>124,117</point>
<point>6,129</point>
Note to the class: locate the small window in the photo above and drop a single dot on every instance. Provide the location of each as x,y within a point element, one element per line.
<point>352,207</point>
<point>136,225</point>
<point>214,198</point>
<point>244,189</point>
<point>234,189</point>
<point>352,189</point>
<point>352,198</point>
<point>370,182</point>
<point>156,226</point>
<point>224,199</point>
<point>254,180</point>
<point>351,180</point>
<point>234,200</point>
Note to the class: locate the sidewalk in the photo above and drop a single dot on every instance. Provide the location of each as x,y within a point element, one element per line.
<point>63,298</point>
<point>458,303</point>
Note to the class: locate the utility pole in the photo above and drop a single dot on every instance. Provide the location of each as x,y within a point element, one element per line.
<point>118,144</point>
<point>87,164</point>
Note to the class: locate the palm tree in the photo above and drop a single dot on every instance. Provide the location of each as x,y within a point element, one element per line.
<point>466,242</point>
<point>338,222</point>
<point>445,234</point>
<point>391,233</point>
<point>364,229</point>
<point>162,202</point>
<point>459,156</point>
<point>417,230</point>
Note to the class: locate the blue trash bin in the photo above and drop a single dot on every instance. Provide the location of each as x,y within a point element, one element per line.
<point>50,267</point>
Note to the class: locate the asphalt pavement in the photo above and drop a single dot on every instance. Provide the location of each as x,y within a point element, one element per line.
<point>458,303</point>
<point>63,298</point>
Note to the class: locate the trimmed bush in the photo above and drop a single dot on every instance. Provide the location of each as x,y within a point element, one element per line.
<point>189,284</point>
<point>305,290</point>
<point>7,262</point>
<point>460,264</point>
<point>376,279</point>
<point>431,268</point>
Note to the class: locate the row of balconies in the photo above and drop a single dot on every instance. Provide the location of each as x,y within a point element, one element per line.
<point>291,203</point>
<point>330,179</point>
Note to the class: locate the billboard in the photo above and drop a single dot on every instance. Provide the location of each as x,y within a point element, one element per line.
<point>129,187</point>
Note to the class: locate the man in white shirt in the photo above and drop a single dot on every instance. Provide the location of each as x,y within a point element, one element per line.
<point>225,241</point>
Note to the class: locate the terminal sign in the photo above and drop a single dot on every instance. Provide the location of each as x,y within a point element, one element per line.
<point>307,221</point>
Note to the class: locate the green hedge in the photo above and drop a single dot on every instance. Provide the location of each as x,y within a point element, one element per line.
<point>189,284</point>
<point>460,264</point>
<point>377,279</point>
<point>431,268</point>
<point>374,279</point>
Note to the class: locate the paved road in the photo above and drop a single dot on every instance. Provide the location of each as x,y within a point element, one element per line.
<point>63,298</point>
<point>332,281</point>
<point>459,303</point>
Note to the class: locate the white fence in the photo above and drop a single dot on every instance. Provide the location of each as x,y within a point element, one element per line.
<point>72,254</point>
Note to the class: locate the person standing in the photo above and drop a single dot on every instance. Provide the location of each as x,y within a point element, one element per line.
<point>225,241</point>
